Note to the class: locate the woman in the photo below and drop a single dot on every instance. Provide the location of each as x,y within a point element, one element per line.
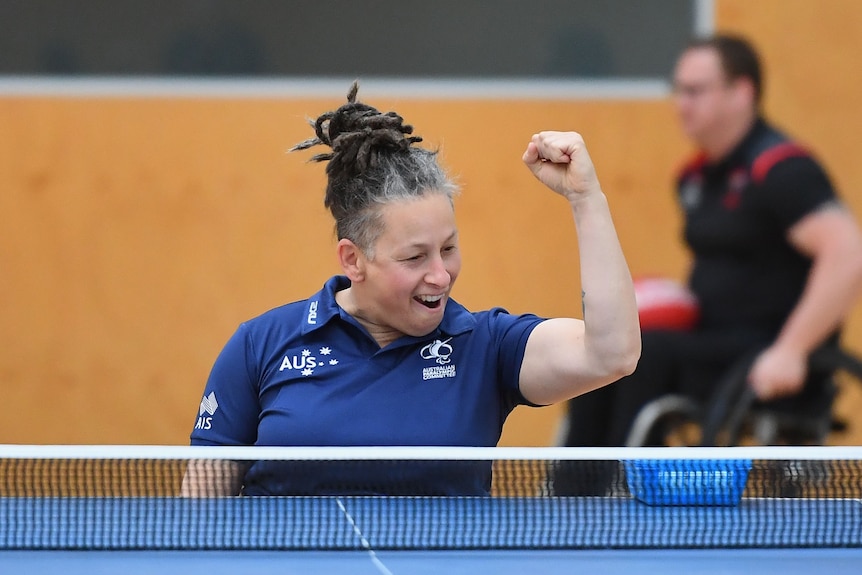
<point>382,355</point>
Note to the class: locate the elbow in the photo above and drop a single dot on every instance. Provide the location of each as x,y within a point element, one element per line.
<point>629,360</point>
<point>632,364</point>
<point>631,352</point>
<point>628,349</point>
<point>624,360</point>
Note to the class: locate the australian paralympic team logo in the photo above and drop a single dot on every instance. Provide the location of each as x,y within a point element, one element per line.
<point>439,351</point>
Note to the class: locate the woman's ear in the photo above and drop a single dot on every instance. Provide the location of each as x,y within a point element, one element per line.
<point>352,260</point>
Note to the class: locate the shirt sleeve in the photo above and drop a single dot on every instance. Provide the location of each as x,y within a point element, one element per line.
<point>794,188</point>
<point>230,407</point>
<point>511,333</point>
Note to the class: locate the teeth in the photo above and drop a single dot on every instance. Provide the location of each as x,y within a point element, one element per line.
<point>430,298</point>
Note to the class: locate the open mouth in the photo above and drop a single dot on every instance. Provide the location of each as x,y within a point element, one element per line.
<point>430,301</point>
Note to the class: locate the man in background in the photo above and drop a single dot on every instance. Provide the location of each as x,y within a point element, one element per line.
<point>776,257</point>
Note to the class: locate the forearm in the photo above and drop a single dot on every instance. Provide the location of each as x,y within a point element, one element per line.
<point>565,357</point>
<point>611,328</point>
<point>212,478</point>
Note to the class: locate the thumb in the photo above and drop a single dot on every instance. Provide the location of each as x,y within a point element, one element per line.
<point>531,157</point>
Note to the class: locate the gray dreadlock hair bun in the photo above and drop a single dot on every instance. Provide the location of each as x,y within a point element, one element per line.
<point>373,162</point>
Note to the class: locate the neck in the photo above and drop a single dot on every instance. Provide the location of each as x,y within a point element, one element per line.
<point>382,334</point>
<point>718,145</point>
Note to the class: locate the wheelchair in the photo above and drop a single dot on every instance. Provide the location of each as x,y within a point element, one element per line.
<point>734,416</point>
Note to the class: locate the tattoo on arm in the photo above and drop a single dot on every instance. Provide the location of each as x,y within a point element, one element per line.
<point>583,304</point>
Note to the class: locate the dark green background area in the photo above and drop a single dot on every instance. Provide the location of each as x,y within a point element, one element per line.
<point>320,38</point>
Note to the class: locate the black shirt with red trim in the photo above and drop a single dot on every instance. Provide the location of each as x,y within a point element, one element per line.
<point>738,212</point>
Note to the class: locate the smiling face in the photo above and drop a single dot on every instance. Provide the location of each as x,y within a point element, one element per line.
<point>404,287</point>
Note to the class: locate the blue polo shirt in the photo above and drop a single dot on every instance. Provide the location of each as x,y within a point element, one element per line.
<point>308,374</point>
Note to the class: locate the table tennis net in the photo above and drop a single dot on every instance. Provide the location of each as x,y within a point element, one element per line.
<point>103,497</point>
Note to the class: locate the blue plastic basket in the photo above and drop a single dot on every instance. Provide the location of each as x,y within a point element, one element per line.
<point>687,481</point>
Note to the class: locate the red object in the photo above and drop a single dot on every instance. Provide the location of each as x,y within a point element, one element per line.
<point>772,156</point>
<point>665,304</point>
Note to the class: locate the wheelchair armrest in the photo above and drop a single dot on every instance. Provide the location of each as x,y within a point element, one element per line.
<point>834,358</point>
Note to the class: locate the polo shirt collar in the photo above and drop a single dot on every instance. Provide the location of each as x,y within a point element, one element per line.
<point>322,308</point>
<point>739,153</point>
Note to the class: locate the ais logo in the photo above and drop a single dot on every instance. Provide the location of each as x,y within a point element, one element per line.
<point>209,405</point>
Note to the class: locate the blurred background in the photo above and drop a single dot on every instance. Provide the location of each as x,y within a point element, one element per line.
<point>147,205</point>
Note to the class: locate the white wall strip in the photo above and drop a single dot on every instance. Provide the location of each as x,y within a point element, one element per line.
<point>428,88</point>
<point>704,17</point>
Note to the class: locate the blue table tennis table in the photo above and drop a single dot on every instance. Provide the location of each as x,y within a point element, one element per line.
<point>838,561</point>
<point>418,535</point>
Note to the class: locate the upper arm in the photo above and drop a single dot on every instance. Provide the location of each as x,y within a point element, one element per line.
<point>229,411</point>
<point>556,364</point>
<point>800,197</point>
<point>829,229</point>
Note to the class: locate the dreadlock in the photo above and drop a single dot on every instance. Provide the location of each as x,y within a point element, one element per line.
<point>373,162</point>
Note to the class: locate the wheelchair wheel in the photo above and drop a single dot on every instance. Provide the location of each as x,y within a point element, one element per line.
<point>678,430</point>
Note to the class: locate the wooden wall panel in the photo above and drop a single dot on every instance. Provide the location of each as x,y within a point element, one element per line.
<point>139,232</point>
